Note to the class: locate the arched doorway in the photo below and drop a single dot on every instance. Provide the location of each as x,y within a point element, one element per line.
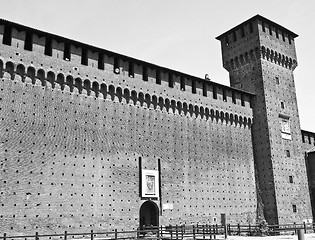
<point>149,214</point>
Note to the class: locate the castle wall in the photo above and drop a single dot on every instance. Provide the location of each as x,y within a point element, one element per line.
<point>74,131</point>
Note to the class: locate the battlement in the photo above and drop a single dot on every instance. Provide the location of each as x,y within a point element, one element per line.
<point>21,40</point>
<point>253,25</point>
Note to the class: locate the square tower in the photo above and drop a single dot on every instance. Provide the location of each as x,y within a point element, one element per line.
<point>260,58</point>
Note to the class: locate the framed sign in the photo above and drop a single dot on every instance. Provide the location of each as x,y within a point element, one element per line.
<point>150,183</point>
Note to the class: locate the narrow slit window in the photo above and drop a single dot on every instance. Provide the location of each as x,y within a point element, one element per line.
<point>214,92</point>
<point>290,179</point>
<point>67,51</point>
<point>48,47</point>
<point>193,87</point>
<point>84,57</point>
<point>283,36</point>
<point>7,35</point>
<point>233,97</point>
<point>234,36</point>
<point>116,65</point>
<point>242,32</point>
<point>204,89</point>
<point>282,105</point>
<point>182,83</point>
<point>251,27</point>
<point>158,77</point>
<point>170,80</point>
<point>131,69</point>
<point>242,100</point>
<point>28,44</point>
<point>270,30</point>
<point>277,33</point>
<point>277,80</point>
<point>100,63</point>
<point>289,38</point>
<point>145,73</point>
<point>263,27</point>
<point>224,94</point>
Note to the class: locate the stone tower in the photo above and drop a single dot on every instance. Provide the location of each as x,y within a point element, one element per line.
<point>260,57</point>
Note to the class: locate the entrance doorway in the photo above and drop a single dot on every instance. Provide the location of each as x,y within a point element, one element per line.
<point>149,214</point>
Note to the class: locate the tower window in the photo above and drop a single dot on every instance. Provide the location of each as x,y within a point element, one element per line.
<point>204,89</point>
<point>145,73</point>
<point>28,44</point>
<point>270,30</point>
<point>277,33</point>
<point>290,179</point>
<point>277,80</point>
<point>100,63</point>
<point>282,105</point>
<point>242,100</point>
<point>84,57</point>
<point>7,35</point>
<point>215,92</point>
<point>48,47</point>
<point>170,80</point>
<point>288,153</point>
<point>182,83</point>
<point>233,97</point>
<point>193,87</point>
<point>289,38</point>
<point>131,69</point>
<point>294,208</point>
<point>283,37</point>
<point>251,27</point>
<point>116,65</point>
<point>242,32</point>
<point>263,27</point>
<point>224,94</point>
<point>66,52</point>
<point>158,76</point>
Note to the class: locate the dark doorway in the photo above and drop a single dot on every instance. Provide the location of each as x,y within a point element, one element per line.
<point>149,214</point>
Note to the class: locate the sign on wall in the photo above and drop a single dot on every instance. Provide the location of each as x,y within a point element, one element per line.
<point>150,183</point>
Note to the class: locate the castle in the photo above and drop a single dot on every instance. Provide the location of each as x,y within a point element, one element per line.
<point>92,139</point>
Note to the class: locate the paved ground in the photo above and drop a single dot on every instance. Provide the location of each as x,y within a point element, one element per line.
<point>309,236</point>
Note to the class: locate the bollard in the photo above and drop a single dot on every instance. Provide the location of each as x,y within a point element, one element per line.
<point>300,234</point>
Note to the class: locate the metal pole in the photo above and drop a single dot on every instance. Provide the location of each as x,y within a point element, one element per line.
<point>116,234</point>
<point>92,235</point>
<point>65,238</point>
<point>36,236</point>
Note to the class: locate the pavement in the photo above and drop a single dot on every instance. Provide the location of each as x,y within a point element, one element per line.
<point>308,236</point>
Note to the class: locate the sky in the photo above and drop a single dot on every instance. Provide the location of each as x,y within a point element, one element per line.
<point>177,34</point>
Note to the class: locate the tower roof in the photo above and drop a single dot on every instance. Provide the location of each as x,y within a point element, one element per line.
<point>259,17</point>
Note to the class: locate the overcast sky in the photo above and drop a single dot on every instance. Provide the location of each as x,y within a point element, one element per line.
<point>177,34</point>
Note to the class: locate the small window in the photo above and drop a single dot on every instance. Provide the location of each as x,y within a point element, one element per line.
<point>289,38</point>
<point>215,96</point>
<point>7,35</point>
<point>84,57</point>
<point>294,208</point>
<point>48,47</point>
<point>263,27</point>
<point>28,44</point>
<point>233,97</point>
<point>270,30</point>
<point>277,80</point>
<point>277,33</point>
<point>242,100</point>
<point>290,179</point>
<point>182,83</point>
<point>234,36</point>
<point>144,73</point>
<point>66,52</point>
<point>242,32</point>
<point>251,27</point>
<point>282,105</point>
<point>204,89</point>
<point>288,153</point>
<point>131,69</point>
<point>193,87</point>
<point>224,94</point>
<point>100,63</point>
<point>158,76</point>
<point>170,80</point>
<point>116,65</point>
<point>283,37</point>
